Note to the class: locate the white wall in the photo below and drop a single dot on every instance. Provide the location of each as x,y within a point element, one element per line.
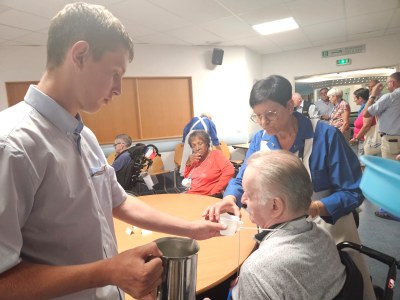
<point>380,52</point>
<point>220,90</point>
<point>20,64</point>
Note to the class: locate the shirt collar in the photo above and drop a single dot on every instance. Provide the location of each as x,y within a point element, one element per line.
<point>361,108</point>
<point>295,223</point>
<point>305,131</point>
<point>54,113</point>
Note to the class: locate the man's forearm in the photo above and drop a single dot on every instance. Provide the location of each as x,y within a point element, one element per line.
<point>371,101</point>
<point>136,212</point>
<point>35,281</point>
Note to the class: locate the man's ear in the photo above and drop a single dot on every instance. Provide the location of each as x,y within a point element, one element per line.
<point>278,206</point>
<point>290,105</point>
<point>80,52</point>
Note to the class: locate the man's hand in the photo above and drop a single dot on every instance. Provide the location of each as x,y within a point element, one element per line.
<point>202,230</point>
<point>377,89</point>
<point>137,271</point>
<point>353,141</point>
<point>325,117</point>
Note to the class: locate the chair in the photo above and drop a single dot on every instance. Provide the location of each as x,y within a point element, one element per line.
<point>111,158</point>
<point>157,170</point>
<point>353,278</point>
<point>177,160</point>
<point>142,158</point>
<point>225,151</point>
<point>178,155</point>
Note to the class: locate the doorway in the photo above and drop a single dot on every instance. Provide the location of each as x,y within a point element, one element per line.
<point>349,81</point>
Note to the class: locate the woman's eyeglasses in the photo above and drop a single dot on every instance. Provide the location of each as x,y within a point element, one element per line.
<point>116,144</point>
<point>269,115</point>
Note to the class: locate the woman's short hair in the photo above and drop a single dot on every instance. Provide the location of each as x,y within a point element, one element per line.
<point>201,134</point>
<point>282,174</point>
<point>273,88</point>
<point>126,138</point>
<point>335,91</point>
<point>363,93</point>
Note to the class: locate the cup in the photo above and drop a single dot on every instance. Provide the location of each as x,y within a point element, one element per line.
<point>232,222</point>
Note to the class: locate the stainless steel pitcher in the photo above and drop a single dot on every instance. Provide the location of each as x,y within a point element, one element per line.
<point>180,268</point>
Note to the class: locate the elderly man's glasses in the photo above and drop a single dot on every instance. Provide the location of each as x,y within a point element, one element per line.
<point>116,144</point>
<point>269,115</point>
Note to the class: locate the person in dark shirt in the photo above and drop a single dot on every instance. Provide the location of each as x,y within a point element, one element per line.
<point>122,143</point>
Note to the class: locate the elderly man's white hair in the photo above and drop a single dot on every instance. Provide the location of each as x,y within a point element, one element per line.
<point>282,174</point>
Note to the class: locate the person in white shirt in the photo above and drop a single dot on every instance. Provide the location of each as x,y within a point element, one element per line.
<point>323,105</point>
<point>58,193</point>
<point>304,107</point>
<point>387,110</point>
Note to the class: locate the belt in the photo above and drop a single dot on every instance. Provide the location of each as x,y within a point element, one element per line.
<point>383,134</point>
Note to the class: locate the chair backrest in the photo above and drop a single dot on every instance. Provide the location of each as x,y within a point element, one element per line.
<point>354,285</point>
<point>178,154</point>
<point>157,167</point>
<point>111,158</point>
<point>224,149</point>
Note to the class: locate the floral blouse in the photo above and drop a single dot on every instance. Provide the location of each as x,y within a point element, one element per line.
<point>336,118</point>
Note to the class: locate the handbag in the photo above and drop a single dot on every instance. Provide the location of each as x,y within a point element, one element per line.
<point>372,141</point>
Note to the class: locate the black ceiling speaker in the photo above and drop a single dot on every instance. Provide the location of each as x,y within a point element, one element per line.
<point>217,56</point>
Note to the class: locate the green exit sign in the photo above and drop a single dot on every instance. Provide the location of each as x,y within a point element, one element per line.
<point>343,62</point>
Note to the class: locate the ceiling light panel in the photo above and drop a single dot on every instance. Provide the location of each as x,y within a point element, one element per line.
<point>276,26</point>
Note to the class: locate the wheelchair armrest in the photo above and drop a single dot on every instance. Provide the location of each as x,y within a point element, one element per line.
<point>382,257</point>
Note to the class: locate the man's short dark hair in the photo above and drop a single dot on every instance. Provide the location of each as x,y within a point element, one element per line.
<point>274,88</point>
<point>85,22</point>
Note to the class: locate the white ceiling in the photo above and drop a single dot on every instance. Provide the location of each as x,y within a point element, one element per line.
<point>217,22</point>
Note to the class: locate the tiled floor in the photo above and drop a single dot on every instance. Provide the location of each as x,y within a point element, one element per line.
<point>381,235</point>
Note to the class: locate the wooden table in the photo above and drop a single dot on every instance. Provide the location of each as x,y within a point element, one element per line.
<point>241,146</point>
<point>218,257</point>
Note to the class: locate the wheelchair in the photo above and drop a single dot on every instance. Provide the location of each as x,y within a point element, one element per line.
<point>131,176</point>
<point>353,287</point>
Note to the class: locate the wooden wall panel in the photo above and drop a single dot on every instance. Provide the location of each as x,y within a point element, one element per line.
<point>119,116</point>
<point>17,90</point>
<point>148,108</point>
<point>165,106</point>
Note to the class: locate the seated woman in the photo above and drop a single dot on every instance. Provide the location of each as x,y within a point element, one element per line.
<point>122,158</point>
<point>207,171</point>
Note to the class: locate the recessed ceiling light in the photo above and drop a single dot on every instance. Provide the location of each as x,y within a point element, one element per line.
<point>276,26</point>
